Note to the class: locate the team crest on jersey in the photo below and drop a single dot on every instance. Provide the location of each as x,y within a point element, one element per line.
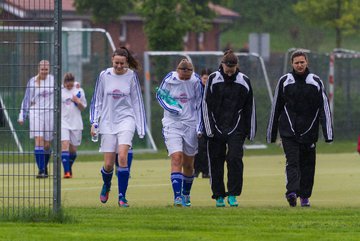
<point>183,98</point>
<point>117,94</point>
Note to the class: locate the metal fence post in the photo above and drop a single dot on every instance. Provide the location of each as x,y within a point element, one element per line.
<point>57,110</point>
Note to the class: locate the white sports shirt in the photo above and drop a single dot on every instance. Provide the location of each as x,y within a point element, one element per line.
<point>188,93</point>
<point>38,99</point>
<point>117,103</point>
<point>70,114</point>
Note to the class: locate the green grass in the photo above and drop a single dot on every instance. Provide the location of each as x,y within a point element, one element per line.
<point>194,224</point>
<point>280,41</point>
<point>263,213</point>
<point>272,149</point>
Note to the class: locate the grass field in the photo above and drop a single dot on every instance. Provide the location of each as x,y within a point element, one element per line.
<point>263,213</point>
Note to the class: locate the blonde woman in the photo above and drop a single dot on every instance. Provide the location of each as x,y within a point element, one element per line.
<point>37,106</point>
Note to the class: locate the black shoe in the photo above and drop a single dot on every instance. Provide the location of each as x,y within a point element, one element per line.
<point>196,174</point>
<point>205,175</point>
<point>41,175</point>
<point>291,198</point>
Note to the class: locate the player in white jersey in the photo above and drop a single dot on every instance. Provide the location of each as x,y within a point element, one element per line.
<point>180,95</point>
<point>38,105</point>
<point>117,108</point>
<point>73,101</point>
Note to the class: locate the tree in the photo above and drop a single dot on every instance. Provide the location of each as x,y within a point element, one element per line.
<point>341,15</point>
<point>168,21</point>
<point>264,14</point>
<point>104,11</point>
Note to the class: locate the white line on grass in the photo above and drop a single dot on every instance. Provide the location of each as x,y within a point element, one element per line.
<point>97,187</point>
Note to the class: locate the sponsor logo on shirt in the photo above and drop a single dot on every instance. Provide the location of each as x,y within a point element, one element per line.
<point>68,101</point>
<point>45,93</point>
<point>117,94</point>
<point>183,98</point>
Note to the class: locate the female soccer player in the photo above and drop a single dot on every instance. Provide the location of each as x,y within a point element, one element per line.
<point>73,101</point>
<point>180,96</point>
<point>38,105</point>
<point>117,108</point>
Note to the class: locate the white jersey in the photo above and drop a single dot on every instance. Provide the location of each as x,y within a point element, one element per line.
<point>70,113</point>
<point>117,103</point>
<point>188,93</point>
<point>39,99</point>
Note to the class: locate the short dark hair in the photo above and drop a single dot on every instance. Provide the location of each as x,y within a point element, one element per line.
<point>298,53</point>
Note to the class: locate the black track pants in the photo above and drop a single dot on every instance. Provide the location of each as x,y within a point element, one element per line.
<point>201,160</point>
<point>230,149</point>
<point>300,167</point>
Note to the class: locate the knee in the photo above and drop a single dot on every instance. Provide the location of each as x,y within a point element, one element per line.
<point>47,145</point>
<point>108,167</point>
<point>176,161</point>
<point>188,165</point>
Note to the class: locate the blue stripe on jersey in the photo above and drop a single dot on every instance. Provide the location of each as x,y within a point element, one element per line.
<point>25,105</point>
<point>93,99</point>
<point>141,105</point>
<point>161,102</point>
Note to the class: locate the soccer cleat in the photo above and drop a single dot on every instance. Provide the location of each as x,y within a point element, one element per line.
<point>104,195</point>
<point>41,175</point>
<point>186,201</point>
<point>178,202</point>
<point>196,174</point>
<point>232,201</point>
<point>220,202</point>
<point>123,202</point>
<point>291,198</point>
<point>67,175</point>
<point>305,202</point>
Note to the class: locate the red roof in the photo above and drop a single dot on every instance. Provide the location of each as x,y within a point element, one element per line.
<point>222,11</point>
<point>29,5</point>
<point>68,5</point>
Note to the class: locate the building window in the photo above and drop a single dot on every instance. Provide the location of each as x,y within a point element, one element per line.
<point>201,38</point>
<point>123,32</point>
<point>186,38</point>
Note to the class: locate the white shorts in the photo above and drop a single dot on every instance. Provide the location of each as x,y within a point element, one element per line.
<point>74,136</point>
<point>181,138</point>
<point>110,142</point>
<point>41,124</point>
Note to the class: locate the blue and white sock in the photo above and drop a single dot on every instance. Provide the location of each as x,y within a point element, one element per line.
<point>176,181</point>
<point>123,180</point>
<point>40,158</point>
<point>72,157</point>
<point>186,185</point>
<point>106,176</point>
<point>65,158</point>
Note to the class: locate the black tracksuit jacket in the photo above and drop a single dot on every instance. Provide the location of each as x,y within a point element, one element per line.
<point>228,105</point>
<point>300,104</point>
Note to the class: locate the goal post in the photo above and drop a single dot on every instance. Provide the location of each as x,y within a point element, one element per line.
<point>85,53</point>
